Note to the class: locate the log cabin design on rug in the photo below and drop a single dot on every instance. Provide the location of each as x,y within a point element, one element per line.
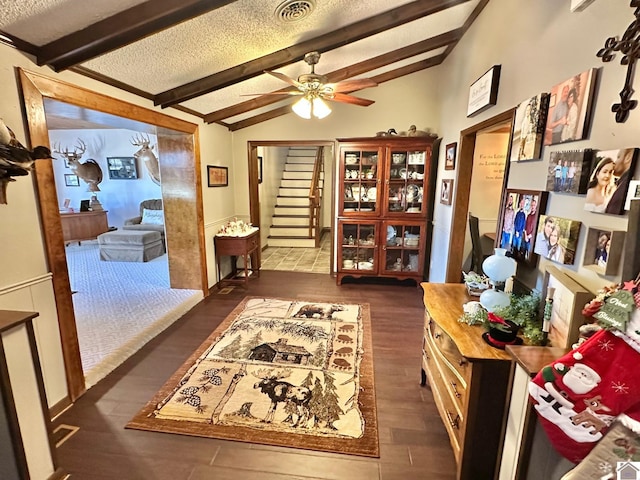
<point>282,372</point>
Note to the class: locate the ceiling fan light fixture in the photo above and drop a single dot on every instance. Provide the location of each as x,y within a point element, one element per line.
<point>319,108</point>
<point>302,108</point>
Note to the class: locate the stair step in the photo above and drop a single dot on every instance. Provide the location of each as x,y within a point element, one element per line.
<point>298,159</point>
<point>292,201</point>
<point>293,192</point>
<point>291,242</point>
<point>299,167</point>
<point>297,231</point>
<point>298,175</point>
<point>303,183</point>
<point>292,210</point>
<point>287,220</point>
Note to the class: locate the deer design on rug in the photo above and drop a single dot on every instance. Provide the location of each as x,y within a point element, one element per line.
<point>278,391</point>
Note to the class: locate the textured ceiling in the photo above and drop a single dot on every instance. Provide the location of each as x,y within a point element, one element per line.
<point>216,51</point>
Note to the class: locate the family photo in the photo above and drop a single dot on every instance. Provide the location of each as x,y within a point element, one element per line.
<point>609,180</point>
<point>519,221</point>
<point>528,128</point>
<point>569,109</point>
<point>569,171</point>
<point>557,238</point>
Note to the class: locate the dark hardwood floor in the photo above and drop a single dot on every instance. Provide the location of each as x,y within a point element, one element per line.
<point>413,440</point>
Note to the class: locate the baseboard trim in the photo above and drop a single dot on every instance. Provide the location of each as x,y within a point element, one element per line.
<point>60,407</point>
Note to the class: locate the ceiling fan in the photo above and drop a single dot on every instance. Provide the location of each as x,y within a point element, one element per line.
<point>315,89</point>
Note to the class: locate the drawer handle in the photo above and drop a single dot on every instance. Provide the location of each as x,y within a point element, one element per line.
<point>436,335</point>
<point>454,385</point>
<point>462,362</point>
<point>453,421</point>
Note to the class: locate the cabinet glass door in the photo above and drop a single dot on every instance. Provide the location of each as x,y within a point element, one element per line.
<point>358,246</point>
<point>406,182</point>
<point>402,247</point>
<point>360,182</point>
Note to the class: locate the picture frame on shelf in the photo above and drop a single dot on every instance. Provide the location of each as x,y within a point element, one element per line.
<point>528,127</point>
<point>557,239</point>
<point>446,192</point>
<point>569,297</point>
<point>570,108</point>
<point>71,180</point>
<point>609,180</point>
<point>633,193</point>
<point>483,93</point>
<point>520,209</point>
<point>450,156</point>
<point>122,168</point>
<point>603,250</point>
<point>569,171</point>
<point>217,176</point>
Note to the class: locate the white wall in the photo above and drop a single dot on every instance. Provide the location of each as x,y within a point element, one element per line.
<point>274,160</point>
<point>538,44</point>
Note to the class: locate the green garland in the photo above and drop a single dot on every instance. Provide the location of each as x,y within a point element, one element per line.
<point>523,311</point>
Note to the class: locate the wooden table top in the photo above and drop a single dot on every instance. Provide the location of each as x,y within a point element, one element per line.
<point>533,359</point>
<point>444,303</point>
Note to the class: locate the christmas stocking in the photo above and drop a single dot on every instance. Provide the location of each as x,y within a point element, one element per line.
<point>579,395</point>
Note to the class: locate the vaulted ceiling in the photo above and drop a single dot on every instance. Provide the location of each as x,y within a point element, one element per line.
<point>208,57</point>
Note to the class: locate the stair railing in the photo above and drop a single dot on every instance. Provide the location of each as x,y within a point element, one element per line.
<point>315,200</point>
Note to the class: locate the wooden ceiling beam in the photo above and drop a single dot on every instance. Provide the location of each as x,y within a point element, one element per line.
<point>383,77</point>
<point>338,75</point>
<point>338,38</point>
<point>122,29</point>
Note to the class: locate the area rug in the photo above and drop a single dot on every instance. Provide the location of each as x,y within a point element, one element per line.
<point>279,372</point>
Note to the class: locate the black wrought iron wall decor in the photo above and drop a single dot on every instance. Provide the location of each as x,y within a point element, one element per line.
<point>629,45</point>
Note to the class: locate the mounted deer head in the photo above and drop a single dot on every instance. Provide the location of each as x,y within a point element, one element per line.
<point>145,153</point>
<point>89,171</point>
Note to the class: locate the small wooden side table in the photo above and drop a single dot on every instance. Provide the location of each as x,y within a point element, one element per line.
<point>247,247</point>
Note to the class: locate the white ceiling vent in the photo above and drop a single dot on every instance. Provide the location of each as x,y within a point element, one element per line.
<point>291,11</point>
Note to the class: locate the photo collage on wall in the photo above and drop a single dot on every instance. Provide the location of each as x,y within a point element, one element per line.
<point>604,178</point>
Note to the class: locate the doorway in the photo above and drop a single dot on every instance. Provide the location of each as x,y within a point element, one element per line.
<point>461,203</point>
<point>270,184</point>
<point>177,139</point>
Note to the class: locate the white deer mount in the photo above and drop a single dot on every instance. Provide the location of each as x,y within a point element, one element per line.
<point>145,153</point>
<point>89,171</point>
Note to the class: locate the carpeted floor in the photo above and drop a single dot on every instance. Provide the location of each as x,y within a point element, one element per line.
<point>120,306</point>
<point>278,372</point>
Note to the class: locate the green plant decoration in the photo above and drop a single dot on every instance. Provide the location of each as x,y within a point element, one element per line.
<point>523,311</point>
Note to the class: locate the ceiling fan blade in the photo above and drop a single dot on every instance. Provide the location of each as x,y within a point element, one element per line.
<point>342,97</point>
<point>352,85</point>
<point>277,92</point>
<point>284,78</point>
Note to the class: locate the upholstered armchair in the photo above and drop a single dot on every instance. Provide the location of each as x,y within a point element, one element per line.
<point>151,217</point>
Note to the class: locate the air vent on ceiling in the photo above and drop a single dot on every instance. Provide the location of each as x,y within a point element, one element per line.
<point>294,10</point>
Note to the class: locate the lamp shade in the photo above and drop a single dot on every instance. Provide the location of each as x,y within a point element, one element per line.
<point>315,106</point>
<point>320,108</point>
<point>493,299</point>
<point>302,108</point>
<point>498,267</point>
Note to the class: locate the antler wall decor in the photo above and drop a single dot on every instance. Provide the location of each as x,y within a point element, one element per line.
<point>629,45</point>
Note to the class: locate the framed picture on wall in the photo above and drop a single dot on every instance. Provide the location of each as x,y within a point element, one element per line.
<point>446,192</point>
<point>122,168</point>
<point>570,105</point>
<point>528,128</point>
<point>603,250</point>
<point>483,93</point>
<point>71,180</point>
<point>519,214</point>
<point>609,180</point>
<point>557,239</point>
<point>569,171</point>
<point>450,156</point>
<point>217,176</point>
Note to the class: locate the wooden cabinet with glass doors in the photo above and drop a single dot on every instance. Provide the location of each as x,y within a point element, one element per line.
<point>385,205</point>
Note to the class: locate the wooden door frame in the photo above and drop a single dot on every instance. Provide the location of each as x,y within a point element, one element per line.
<point>461,198</point>
<point>36,88</point>
<point>252,158</point>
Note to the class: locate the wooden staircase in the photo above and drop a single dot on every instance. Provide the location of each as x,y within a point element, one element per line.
<point>290,224</point>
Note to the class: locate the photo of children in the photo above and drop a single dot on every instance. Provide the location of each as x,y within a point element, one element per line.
<point>569,171</point>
